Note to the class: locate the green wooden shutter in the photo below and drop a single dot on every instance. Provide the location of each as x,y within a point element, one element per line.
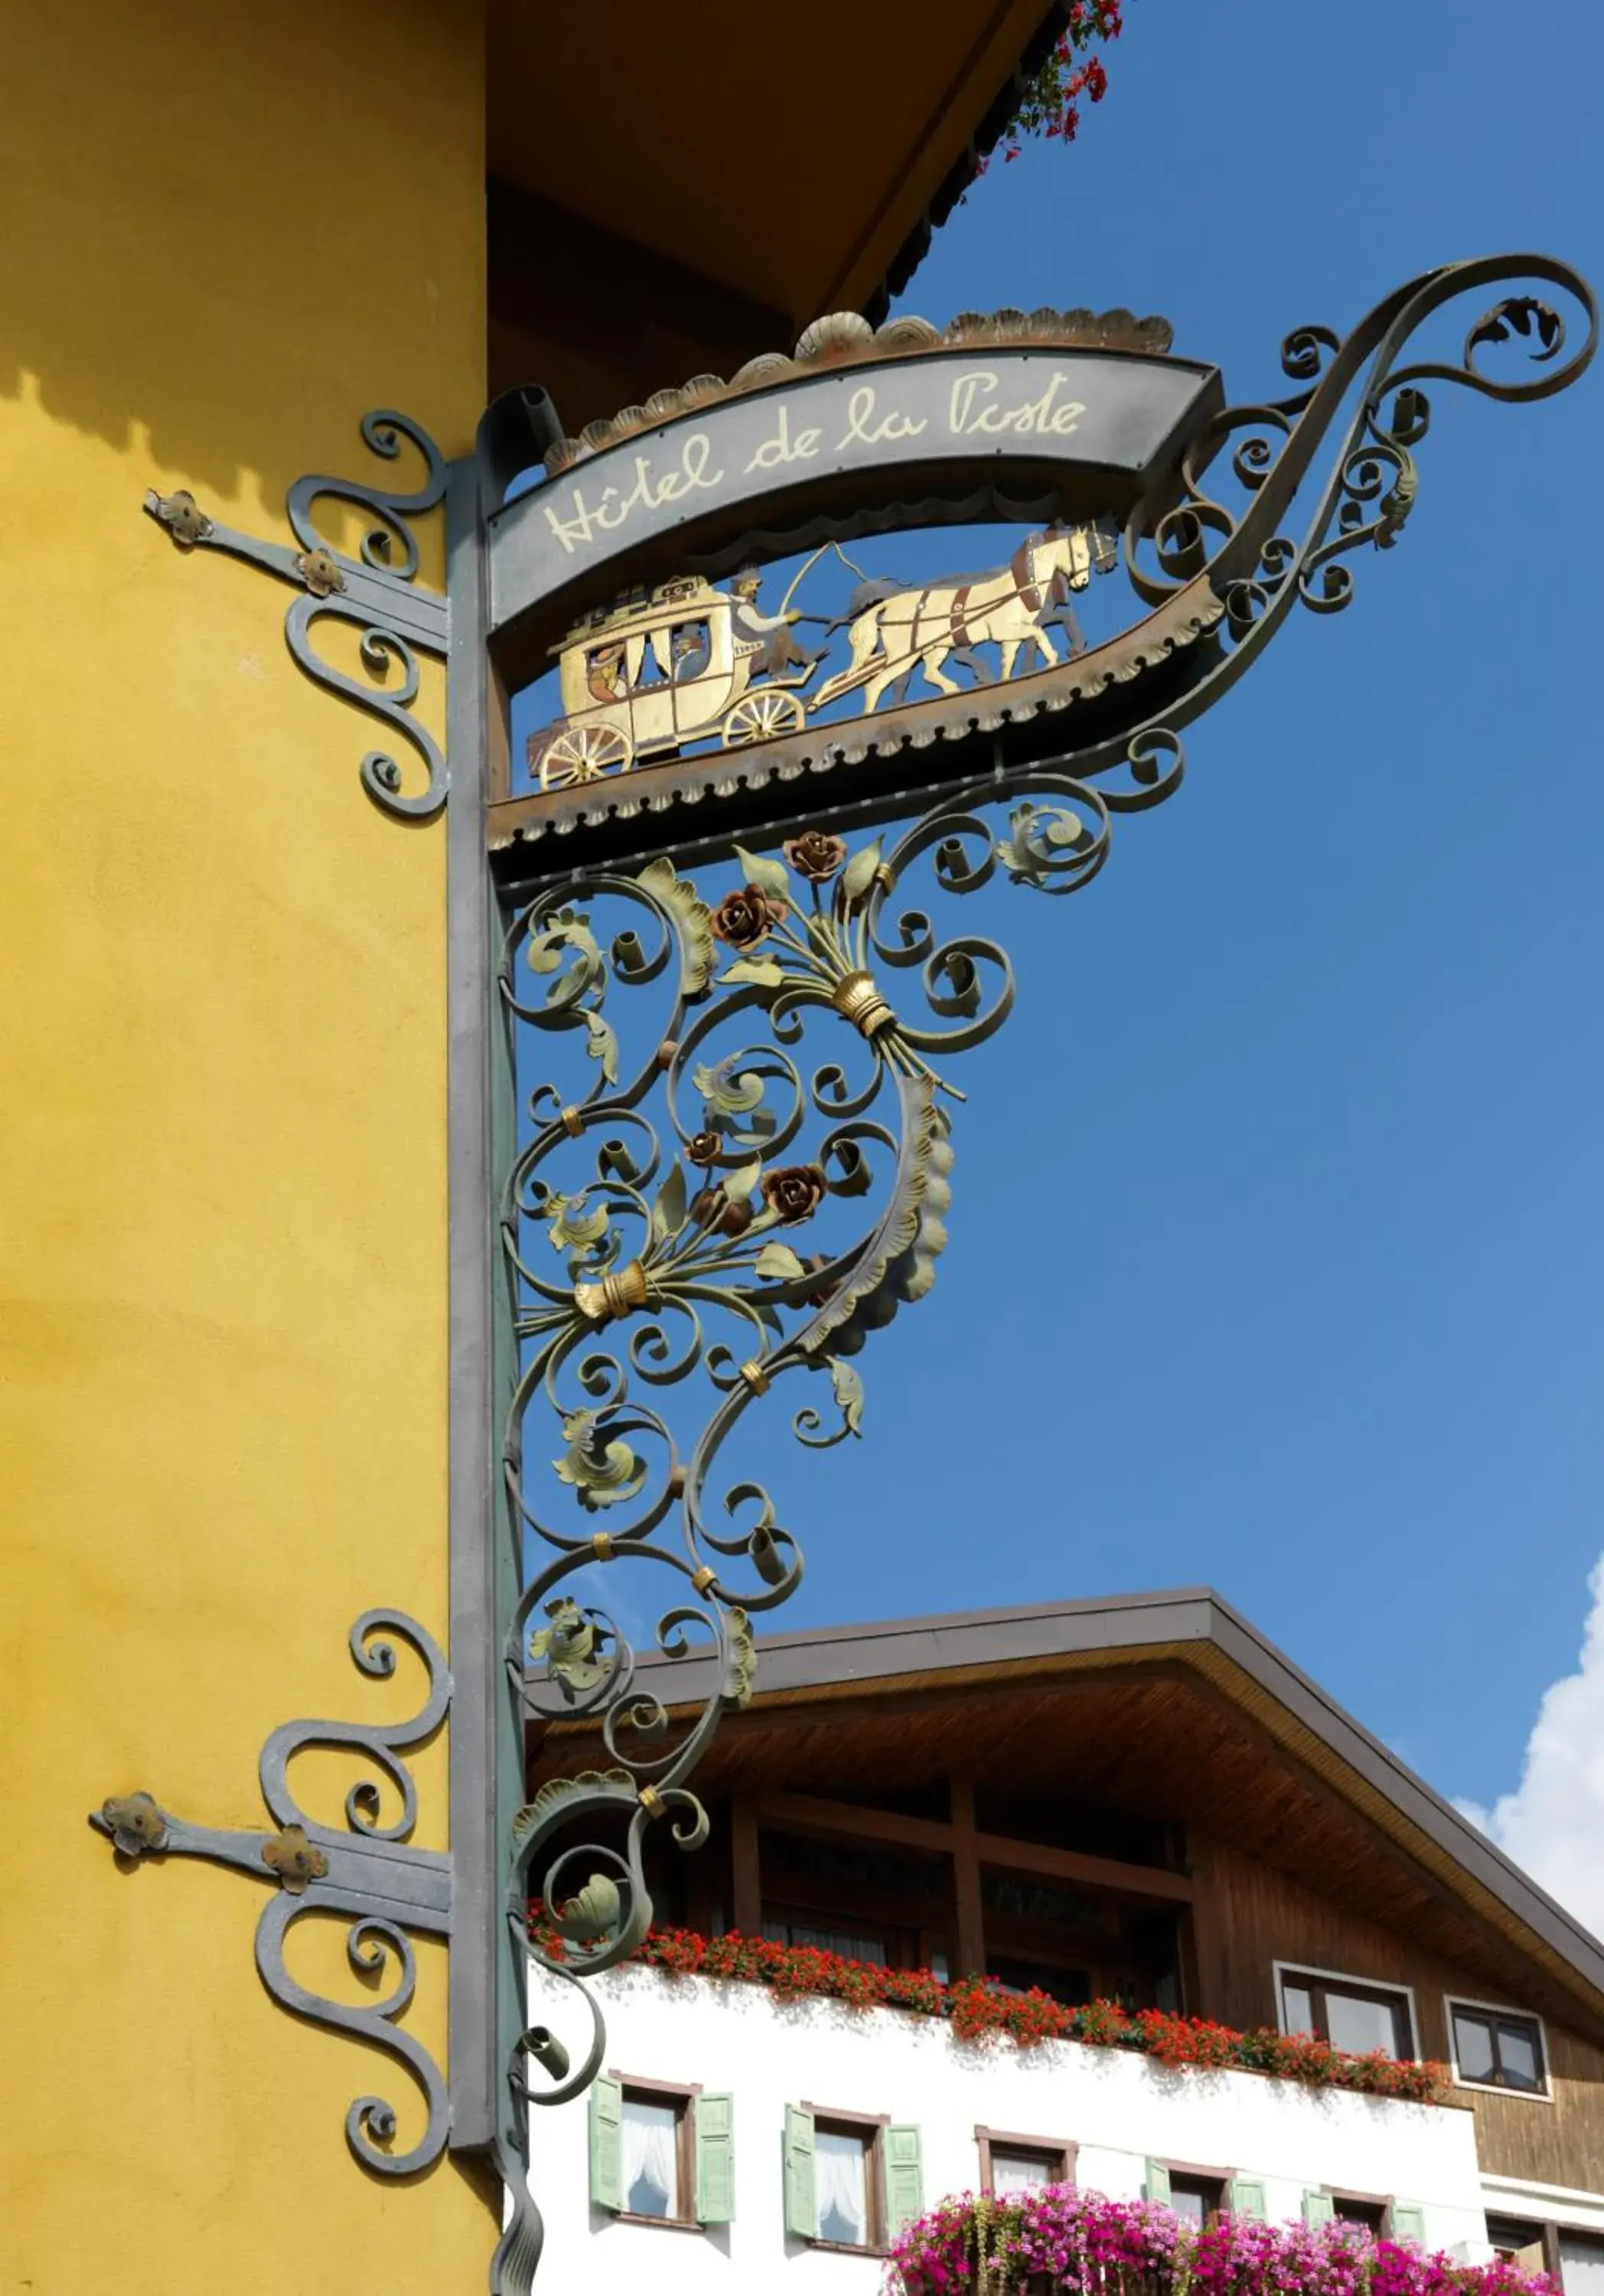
<point>1318,2209</point>
<point>714,2160</point>
<point>1248,2198</point>
<point>801,2186</point>
<point>904,2178</point>
<point>1155,2187</point>
<point>607,2142</point>
<point>1409,2222</point>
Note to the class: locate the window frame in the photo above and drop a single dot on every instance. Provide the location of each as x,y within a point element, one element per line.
<point>685,2096</point>
<point>871,2127</point>
<point>1063,2150</point>
<point>1546,2229</point>
<point>1364,1987</point>
<point>1493,2009</point>
<point>1384,2201</point>
<point>1197,2172</point>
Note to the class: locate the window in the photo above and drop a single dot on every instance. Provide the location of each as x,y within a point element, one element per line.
<point>1574,2260</point>
<point>1358,2208</point>
<point>1581,2263</point>
<point>850,1945</point>
<point>1497,2048</point>
<point>846,2212</point>
<point>1071,1987</point>
<point>1022,2164</point>
<point>1346,2012</point>
<point>852,2180</point>
<point>660,2153</point>
<point>1195,2195</point>
<point>1520,2243</point>
<point>654,2176</point>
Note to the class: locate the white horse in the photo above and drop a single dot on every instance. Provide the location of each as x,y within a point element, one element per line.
<point>894,631</point>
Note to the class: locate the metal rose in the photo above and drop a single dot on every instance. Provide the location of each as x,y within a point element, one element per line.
<point>815,855</point>
<point>711,1208</point>
<point>795,1193</point>
<point>746,916</point>
<point>704,1148</point>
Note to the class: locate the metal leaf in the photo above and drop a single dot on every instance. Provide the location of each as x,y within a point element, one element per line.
<point>771,876</point>
<point>779,1263</point>
<point>603,1473</point>
<point>727,1095</point>
<point>595,1911</point>
<point>574,1229</point>
<point>859,873</point>
<point>601,1044</point>
<point>668,1212</point>
<point>738,1185</point>
<point>693,916</point>
<point>848,1390</point>
<point>743,1660</point>
<point>762,971</point>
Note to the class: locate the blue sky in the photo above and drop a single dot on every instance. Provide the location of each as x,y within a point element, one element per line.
<point>1276,1238</point>
<point>1276,1243</point>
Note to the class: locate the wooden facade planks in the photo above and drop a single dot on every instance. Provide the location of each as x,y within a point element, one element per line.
<point>1280,1864</point>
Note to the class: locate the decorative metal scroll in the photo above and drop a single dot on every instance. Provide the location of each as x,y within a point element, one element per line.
<point>377,594</point>
<point>1212,570</point>
<point>369,1872</point>
<point>657,1218</point>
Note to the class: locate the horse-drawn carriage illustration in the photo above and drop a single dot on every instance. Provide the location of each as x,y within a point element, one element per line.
<point>668,666</point>
<point>686,661</point>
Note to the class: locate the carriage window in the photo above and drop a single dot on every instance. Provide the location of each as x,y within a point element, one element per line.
<point>692,650</point>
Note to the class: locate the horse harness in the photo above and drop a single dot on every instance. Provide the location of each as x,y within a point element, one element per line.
<point>1025,589</point>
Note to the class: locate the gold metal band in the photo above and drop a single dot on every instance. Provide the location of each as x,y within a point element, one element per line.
<point>858,999</point>
<point>755,1377</point>
<point>573,1123</point>
<point>653,1802</point>
<point>705,1578</point>
<point>602,1547</point>
<point>626,1288</point>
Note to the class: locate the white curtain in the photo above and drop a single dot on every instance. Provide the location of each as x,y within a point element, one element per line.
<point>843,2187</point>
<point>650,2158</point>
<point>1020,2172</point>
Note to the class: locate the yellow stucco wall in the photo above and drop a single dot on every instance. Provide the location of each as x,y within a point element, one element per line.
<point>229,231</point>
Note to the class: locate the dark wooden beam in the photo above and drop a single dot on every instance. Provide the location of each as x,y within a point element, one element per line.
<point>813,1813</point>
<point>746,1868</point>
<point>968,1909</point>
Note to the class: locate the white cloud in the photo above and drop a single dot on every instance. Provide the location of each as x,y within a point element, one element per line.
<point>1553,1822</point>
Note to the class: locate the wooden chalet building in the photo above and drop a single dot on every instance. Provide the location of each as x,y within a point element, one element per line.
<point>1138,1799</point>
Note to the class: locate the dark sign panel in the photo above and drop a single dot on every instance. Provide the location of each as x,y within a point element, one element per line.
<point>1099,427</point>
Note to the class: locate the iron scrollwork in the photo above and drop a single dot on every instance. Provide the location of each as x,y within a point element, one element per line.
<point>689,1181</point>
<point>699,1177</point>
<point>377,594</point>
<point>1254,568</point>
<point>369,1872</point>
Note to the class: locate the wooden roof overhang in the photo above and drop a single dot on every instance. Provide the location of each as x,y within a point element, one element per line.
<point>1169,1703</point>
<point>671,193</point>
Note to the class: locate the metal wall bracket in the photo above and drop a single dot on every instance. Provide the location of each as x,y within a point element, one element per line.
<point>377,592</point>
<point>369,1872</point>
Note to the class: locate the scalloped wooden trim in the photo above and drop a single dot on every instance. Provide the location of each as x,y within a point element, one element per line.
<point>847,338</point>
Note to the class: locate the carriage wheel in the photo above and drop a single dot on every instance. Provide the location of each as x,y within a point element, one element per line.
<point>585,753</point>
<point>756,716</point>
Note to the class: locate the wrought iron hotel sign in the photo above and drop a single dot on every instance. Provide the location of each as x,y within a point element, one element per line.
<point>727,740</point>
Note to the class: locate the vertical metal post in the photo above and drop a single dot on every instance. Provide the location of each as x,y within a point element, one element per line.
<point>476,1914</point>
